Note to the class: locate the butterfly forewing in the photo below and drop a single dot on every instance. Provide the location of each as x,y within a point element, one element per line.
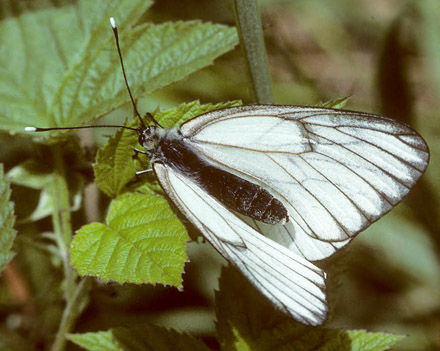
<point>335,171</point>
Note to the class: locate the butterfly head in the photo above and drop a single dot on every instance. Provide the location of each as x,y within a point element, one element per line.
<point>149,137</point>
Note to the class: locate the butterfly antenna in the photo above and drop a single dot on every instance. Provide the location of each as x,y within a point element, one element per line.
<point>116,34</point>
<point>36,129</point>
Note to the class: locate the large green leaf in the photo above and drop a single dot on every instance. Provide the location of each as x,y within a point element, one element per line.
<point>143,338</point>
<point>141,242</point>
<point>44,47</point>
<point>60,66</point>
<point>7,232</point>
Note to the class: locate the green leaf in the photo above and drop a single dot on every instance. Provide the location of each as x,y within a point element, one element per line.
<point>47,47</point>
<point>155,56</point>
<point>60,66</point>
<point>96,341</point>
<point>248,321</point>
<point>143,338</point>
<point>7,219</point>
<point>336,103</point>
<point>31,174</point>
<point>365,341</point>
<point>141,242</point>
<point>115,167</point>
<point>184,112</point>
<point>36,175</point>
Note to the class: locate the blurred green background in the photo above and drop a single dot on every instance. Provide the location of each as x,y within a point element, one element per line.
<point>385,55</point>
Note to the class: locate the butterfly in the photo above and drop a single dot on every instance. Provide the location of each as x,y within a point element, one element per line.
<point>273,188</point>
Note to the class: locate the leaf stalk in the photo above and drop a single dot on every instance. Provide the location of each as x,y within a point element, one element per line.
<point>248,22</point>
<point>75,294</point>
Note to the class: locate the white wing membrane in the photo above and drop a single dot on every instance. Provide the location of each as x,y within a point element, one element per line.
<point>292,283</point>
<point>284,136</point>
<point>335,171</point>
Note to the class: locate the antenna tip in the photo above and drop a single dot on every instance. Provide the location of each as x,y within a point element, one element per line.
<point>113,22</point>
<point>30,129</point>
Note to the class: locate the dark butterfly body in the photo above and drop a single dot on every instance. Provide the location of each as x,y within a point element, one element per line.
<point>170,148</point>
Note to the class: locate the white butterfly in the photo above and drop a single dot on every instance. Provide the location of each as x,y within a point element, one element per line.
<point>274,187</point>
<point>334,172</point>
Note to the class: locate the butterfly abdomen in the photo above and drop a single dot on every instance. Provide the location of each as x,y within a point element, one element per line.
<point>242,196</point>
<point>236,193</point>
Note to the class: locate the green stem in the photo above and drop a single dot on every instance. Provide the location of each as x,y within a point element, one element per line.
<point>73,310</point>
<point>252,41</point>
<point>74,294</point>
<point>61,218</point>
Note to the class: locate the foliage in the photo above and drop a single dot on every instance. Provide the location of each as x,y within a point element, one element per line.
<point>246,321</point>
<point>59,67</point>
<point>84,75</point>
<point>141,242</point>
<point>7,233</point>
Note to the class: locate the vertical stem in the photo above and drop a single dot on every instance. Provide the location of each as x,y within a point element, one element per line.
<point>75,294</point>
<point>74,307</point>
<point>252,42</point>
<point>61,218</point>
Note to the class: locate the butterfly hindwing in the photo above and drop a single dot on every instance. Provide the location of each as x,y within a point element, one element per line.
<point>292,283</point>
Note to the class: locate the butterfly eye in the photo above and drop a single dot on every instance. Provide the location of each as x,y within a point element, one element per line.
<point>143,138</point>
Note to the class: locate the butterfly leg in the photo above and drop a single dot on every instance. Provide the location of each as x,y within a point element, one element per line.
<point>138,173</point>
<point>137,176</point>
<point>138,151</point>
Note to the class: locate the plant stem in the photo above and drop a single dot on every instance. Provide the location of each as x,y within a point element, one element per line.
<point>75,294</point>
<point>61,218</point>
<point>73,310</point>
<point>251,38</point>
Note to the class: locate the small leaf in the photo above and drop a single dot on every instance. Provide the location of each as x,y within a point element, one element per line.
<point>96,341</point>
<point>142,242</point>
<point>240,344</point>
<point>336,103</point>
<point>32,174</point>
<point>365,341</point>
<point>114,166</point>
<point>143,338</point>
<point>176,116</point>
<point>36,175</point>
<point>7,219</point>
